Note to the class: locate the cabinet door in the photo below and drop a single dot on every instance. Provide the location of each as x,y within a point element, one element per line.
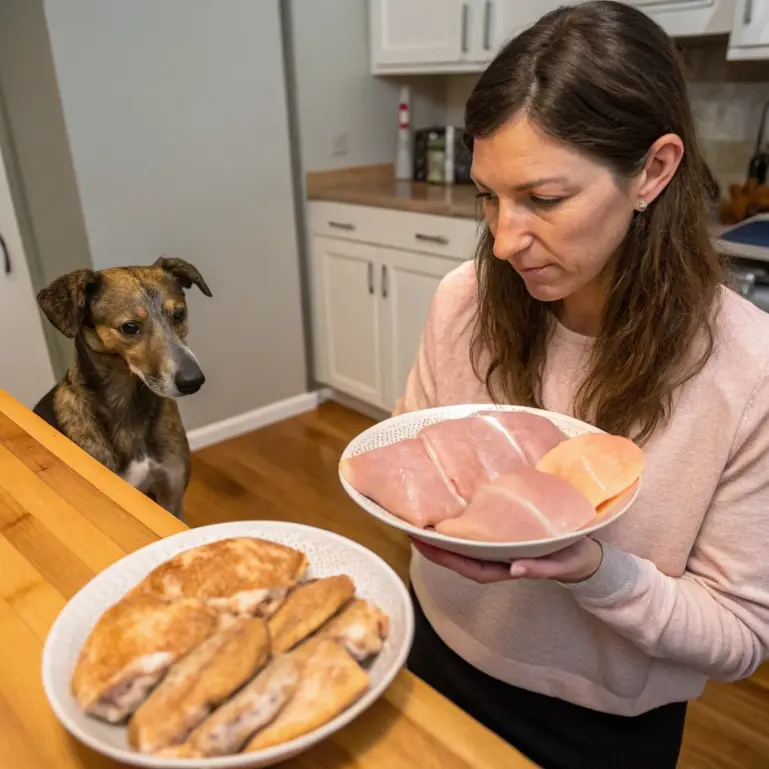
<point>501,20</point>
<point>347,317</point>
<point>407,286</point>
<point>750,33</point>
<point>683,18</point>
<point>423,32</point>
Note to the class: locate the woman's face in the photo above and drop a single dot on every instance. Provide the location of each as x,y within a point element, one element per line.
<point>556,215</point>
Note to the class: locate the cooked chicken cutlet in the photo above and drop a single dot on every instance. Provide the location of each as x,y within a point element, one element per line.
<point>243,575</point>
<point>178,751</point>
<point>306,608</point>
<point>228,728</point>
<point>200,682</point>
<point>330,681</point>
<point>130,649</point>
<point>360,627</point>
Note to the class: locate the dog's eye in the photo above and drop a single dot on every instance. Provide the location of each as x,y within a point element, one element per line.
<point>179,315</point>
<point>130,329</point>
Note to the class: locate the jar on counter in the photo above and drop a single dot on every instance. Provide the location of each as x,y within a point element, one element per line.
<point>436,157</point>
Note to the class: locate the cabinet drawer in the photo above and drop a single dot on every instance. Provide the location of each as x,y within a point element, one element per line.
<point>451,237</point>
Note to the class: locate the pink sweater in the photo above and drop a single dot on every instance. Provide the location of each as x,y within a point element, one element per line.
<point>682,594</point>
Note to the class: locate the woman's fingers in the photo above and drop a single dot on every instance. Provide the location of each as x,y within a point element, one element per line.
<point>478,571</point>
<point>572,564</point>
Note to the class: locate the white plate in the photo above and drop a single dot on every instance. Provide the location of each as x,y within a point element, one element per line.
<point>328,554</point>
<point>408,425</point>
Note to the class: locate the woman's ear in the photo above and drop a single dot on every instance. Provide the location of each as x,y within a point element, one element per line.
<point>661,164</point>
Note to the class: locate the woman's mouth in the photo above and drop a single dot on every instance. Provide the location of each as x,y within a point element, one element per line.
<point>532,272</point>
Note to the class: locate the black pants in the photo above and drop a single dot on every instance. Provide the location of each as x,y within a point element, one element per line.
<point>552,733</point>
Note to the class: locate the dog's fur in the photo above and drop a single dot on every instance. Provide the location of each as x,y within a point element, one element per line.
<point>117,400</point>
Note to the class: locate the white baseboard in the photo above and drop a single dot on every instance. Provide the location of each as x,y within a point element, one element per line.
<point>201,437</point>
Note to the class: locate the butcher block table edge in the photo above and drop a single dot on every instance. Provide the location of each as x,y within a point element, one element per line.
<point>45,481</point>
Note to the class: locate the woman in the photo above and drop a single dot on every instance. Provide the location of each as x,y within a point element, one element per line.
<point>597,292</point>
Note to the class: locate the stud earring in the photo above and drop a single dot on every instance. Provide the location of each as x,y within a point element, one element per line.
<point>642,205</point>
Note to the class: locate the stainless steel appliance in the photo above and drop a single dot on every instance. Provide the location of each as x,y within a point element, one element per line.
<point>747,243</point>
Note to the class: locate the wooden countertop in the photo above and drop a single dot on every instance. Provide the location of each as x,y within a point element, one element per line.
<point>63,519</point>
<point>377,186</point>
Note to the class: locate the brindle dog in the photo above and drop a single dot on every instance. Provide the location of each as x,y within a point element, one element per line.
<point>117,400</point>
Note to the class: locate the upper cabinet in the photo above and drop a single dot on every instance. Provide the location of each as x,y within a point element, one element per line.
<point>750,34</point>
<point>416,35</point>
<point>445,35</point>
<point>433,36</point>
<point>689,18</point>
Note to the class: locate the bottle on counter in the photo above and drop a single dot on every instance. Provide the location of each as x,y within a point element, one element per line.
<point>403,162</point>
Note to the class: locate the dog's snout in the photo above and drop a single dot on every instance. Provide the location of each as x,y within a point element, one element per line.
<point>189,378</point>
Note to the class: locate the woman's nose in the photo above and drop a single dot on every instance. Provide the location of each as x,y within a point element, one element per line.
<point>511,237</point>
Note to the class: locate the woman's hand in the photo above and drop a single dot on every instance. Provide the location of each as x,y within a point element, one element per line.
<point>575,563</point>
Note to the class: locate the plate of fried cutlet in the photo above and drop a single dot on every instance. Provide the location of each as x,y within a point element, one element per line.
<point>234,645</point>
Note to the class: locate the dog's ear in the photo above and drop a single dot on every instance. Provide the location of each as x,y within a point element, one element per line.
<point>65,301</point>
<point>184,272</point>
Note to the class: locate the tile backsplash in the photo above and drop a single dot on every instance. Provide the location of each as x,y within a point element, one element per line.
<point>727,99</point>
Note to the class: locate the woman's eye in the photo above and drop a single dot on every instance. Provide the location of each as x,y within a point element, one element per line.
<point>486,196</point>
<point>179,315</point>
<point>130,329</point>
<point>546,202</point>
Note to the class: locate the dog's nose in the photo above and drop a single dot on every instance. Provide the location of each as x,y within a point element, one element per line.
<point>189,380</point>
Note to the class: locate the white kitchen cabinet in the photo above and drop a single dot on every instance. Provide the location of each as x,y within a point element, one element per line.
<point>404,33</point>
<point>409,282</point>
<point>689,18</point>
<point>445,35</point>
<point>371,295</point>
<point>750,33</point>
<point>432,36</point>
<point>349,310</point>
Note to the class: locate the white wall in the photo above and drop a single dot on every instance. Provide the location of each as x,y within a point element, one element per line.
<point>336,93</point>
<point>176,116</point>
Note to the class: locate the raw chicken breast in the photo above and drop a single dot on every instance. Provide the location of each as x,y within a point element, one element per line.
<point>601,466</point>
<point>532,434</point>
<point>477,449</point>
<point>403,480</point>
<point>523,506</point>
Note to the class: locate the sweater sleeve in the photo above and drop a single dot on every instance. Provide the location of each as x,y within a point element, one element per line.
<point>714,618</point>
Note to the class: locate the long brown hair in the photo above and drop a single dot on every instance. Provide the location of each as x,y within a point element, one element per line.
<point>607,80</point>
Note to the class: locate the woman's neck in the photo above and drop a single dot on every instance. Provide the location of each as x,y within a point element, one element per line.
<point>582,311</point>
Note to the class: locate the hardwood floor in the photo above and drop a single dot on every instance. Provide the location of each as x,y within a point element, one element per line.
<point>288,471</point>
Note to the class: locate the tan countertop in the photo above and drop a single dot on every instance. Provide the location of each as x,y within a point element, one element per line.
<point>377,186</point>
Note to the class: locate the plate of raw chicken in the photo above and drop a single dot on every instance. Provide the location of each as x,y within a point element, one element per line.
<point>234,645</point>
<point>494,483</point>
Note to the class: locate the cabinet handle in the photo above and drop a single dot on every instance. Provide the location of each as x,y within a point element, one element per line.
<point>371,277</point>
<point>465,14</point>
<point>342,226</point>
<point>384,281</point>
<point>747,12</point>
<point>441,239</point>
<point>487,26</point>
<point>6,256</point>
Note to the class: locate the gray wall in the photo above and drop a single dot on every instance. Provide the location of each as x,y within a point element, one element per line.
<point>42,177</point>
<point>336,93</point>
<point>176,115</point>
